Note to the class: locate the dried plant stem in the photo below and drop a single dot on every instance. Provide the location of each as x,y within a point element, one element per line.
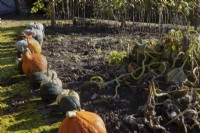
<point>181,114</point>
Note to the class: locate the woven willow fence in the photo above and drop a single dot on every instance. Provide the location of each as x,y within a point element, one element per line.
<point>130,13</point>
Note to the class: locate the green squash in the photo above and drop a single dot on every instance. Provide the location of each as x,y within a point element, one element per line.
<point>49,92</point>
<point>54,79</point>
<point>36,79</point>
<point>50,73</point>
<point>67,92</point>
<point>69,103</point>
<point>68,100</point>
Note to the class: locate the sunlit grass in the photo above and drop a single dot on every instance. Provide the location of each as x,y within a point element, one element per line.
<point>8,71</point>
<point>6,58</point>
<point>7,49</point>
<point>26,117</point>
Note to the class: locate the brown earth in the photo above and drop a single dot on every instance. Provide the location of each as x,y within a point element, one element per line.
<point>78,53</point>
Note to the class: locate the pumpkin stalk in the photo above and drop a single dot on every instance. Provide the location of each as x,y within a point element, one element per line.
<point>28,41</point>
<point>70,114</point>
<point>52,76</point>
<point>48,70</point>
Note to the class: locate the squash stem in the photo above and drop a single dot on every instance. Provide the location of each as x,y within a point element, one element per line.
<point>184,62</point>
<point>53,75</point>
<point>48,70</point>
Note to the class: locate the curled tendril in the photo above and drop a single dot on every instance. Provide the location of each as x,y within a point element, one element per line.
<point>116,88</point>
<point>98,81</point>
<point>175,59</point>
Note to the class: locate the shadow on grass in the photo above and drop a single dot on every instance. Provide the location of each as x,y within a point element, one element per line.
<point>32,116</point>
<point>6,54</point>
<point>7,60</point>
<point>7,45</point>
<point>15,30</point>
<point>16,16</point>
<point>9,75</point>
<point>27,117</point>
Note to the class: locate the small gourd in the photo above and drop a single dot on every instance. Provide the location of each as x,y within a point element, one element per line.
<point>49,92</point>
<point>82,122</point>
<point>21,44</point>
<point>36,79</point>
<point>52,79</point>
<point>68,100</point>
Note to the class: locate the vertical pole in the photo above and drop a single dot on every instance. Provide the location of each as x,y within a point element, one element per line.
<point>53,17</point>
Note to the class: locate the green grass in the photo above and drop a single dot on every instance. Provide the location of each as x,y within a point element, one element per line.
<point>24,118</point>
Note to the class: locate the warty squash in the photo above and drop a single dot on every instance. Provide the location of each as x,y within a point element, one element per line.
<point>82,122</point>
<point>33,63</point>
<point>52,79</point>
<point>38,26</point>
<point>67,92</point>
<point>21,44</point>
<point>50,73</point>
<point>68,100</point>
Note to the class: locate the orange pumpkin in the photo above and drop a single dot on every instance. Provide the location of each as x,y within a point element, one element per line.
<point>82,122</point>
<point>34,45</point>
<point>33,63</point>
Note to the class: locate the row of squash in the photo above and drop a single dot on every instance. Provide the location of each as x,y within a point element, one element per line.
<point>33,64</point>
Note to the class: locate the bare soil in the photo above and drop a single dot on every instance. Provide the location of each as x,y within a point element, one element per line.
<point>78,53</point>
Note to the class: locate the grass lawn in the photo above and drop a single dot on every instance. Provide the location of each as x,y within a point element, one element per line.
<point>18,109</point>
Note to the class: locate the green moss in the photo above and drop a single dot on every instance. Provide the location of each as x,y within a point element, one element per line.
<point>24,118</point>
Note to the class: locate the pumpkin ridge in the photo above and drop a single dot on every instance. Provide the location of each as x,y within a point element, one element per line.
<point>76,104</point>
<point>88,121</point>
<point>82,124</point>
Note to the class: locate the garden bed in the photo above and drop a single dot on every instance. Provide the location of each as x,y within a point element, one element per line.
<point>79,54</point>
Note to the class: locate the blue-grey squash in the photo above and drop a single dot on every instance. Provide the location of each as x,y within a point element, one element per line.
<point>38,26</point>
<point>21,44</point>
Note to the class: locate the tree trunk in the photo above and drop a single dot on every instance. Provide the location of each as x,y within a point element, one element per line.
<point>63,10</point>
<point>53,16</point>
<point>160,19</point>
<point>68,14</point>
